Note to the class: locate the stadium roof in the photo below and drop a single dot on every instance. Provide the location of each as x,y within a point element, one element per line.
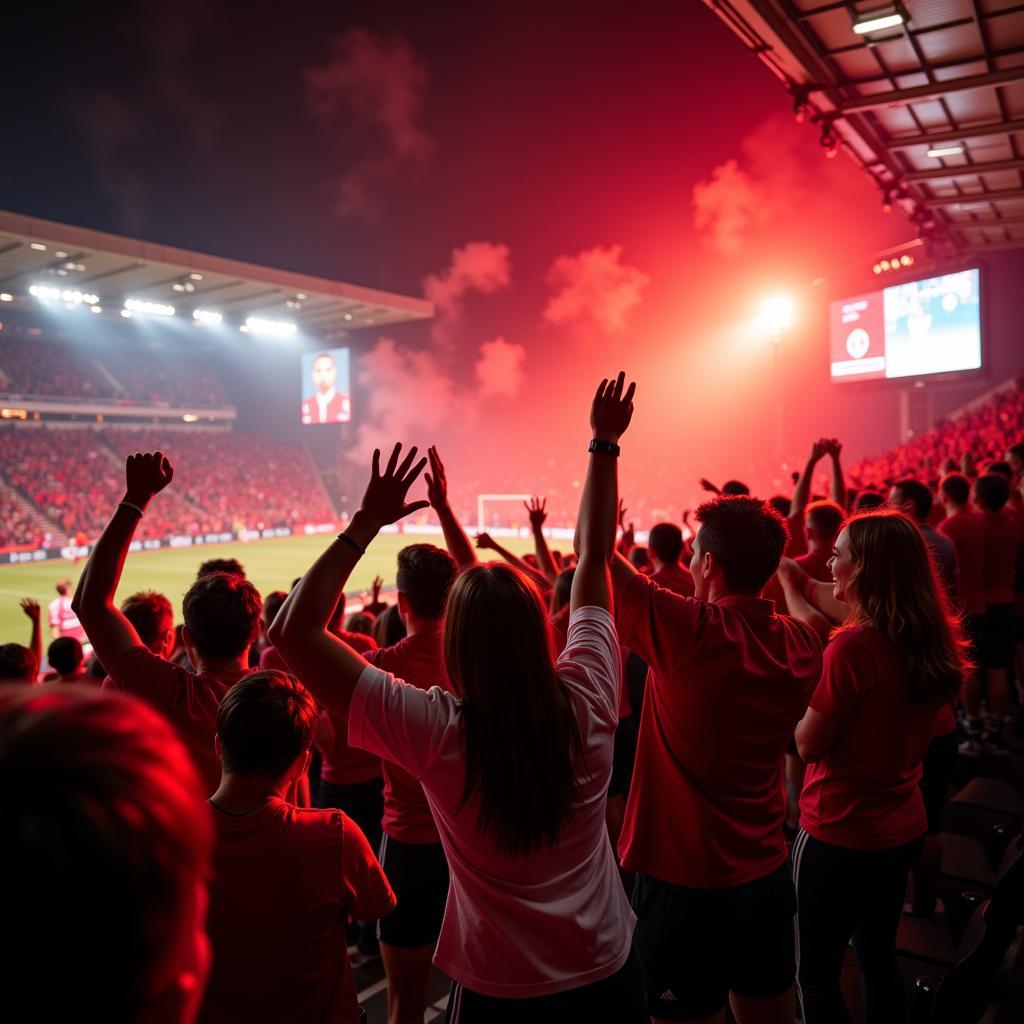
<point>895,82</point>
<point>114,268</point>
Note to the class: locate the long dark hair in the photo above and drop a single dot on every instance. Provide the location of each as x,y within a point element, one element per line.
<point>894,588</point>
<point>521,733</point>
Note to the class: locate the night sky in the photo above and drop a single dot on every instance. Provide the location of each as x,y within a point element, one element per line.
<point>636,173</point>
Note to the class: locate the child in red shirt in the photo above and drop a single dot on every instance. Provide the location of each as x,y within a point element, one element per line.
<point>286,879</point>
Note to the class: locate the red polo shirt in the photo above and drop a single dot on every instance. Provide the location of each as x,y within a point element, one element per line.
<point>1002,540</point>
<point>286,882</point>
<point>419,660</point>
<point>729,681</point>
<point>864,792</point>
<point>676,578</point>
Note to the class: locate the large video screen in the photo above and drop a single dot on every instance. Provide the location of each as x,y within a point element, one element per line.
<point>914,329</point>
<point>325,387</point>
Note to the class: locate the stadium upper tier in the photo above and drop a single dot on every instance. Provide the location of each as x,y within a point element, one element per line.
<point>66,481</point>
<point>106,369</point>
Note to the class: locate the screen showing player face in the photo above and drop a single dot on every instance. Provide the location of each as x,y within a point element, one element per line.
<point>913,329</point>
<point>325,387</point>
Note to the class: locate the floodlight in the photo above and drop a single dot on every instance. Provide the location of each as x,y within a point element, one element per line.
<point>272,328</point>
<point>875,21</point>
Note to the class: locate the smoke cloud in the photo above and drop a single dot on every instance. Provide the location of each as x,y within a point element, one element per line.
<point>476,267</point>
<point>368,95</point>
<point>594,288</point>
<point>499,370</point>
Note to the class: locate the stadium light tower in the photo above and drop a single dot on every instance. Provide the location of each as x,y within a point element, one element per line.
<point>774,319</point>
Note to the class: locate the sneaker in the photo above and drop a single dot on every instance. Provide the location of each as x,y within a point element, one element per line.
<point>969,747</point>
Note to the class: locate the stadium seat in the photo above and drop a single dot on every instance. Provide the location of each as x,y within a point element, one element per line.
<point>960,994</point>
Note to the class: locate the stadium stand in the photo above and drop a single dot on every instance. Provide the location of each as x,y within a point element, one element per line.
<point>982,431</point>
<point>227,481</point>
<point>36,365</point>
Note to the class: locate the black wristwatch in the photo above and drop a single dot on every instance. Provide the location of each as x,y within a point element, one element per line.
<point>599,447</point>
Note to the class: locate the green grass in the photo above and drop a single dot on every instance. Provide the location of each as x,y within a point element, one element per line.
<point>270,564</point>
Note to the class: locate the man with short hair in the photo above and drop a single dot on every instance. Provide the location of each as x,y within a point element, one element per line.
<point>62,618</point>
<point>915,500</point>
<point>152,616</point>
<point>221,613</point>
<point>67,662</point>
<point>730,679</point>
<point>17,664</point>
<point>286,880</point>
<point>665,547</point>
<point>326,405</point>
<point>228,565</point>
<point>823,521</point>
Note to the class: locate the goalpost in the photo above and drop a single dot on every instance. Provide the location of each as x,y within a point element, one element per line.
<point>481,502</point>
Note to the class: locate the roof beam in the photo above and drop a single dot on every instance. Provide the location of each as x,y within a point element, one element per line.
<point>901,97</point>
<point>964,171</point>
<point>979,131</point>
<point>973,198</point>
<point>986,225</point>
<point>997,246</point>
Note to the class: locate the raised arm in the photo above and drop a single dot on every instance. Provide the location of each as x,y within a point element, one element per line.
<point>837,490</point>
<point>628,536</point>
<point>485,542</point>
<point>109,632</point>
<point>327,666</point>
<point>802,492</point>
<point>459,546</point>
<point>818,594</point>
<point>536,509</point>
<point>610,413</point>
<point>35,613</point>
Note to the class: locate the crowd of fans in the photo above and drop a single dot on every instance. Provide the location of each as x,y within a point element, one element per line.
<point>229,481</point>
<point>110,369</point>
<point>17,527</point>
<point>625,783</point>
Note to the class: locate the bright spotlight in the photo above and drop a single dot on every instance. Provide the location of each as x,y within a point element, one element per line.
<point>38,246</point>
<point>6,297</point>
<point>148,308</point>
<point>942,151</point>
<point>95,309</point>
<point>207,316</point>
<point>71,297</point>
<point>776,315</point>
<point>875,21</point>
<point>272,328</point>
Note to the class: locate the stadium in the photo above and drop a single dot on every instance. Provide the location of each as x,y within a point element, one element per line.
<point>811,239</point>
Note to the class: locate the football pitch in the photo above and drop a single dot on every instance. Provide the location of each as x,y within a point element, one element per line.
<point>270,564</point>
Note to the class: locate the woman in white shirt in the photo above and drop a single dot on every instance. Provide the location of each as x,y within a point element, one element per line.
<point>515,764</point>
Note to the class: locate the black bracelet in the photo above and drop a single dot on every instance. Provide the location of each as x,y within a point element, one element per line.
<point>351,543</point>
<point>598,447</point>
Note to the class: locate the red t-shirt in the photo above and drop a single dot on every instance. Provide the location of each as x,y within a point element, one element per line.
<point>1002,540</point>
<point>815,564</point>
<point>286,882</point>
<point>188,700</point>
<point>676,578</point>
<point>729,681</point>
<point>967,532</point>
<point>419,660</point>
<point>797,543</point>
<point>864,792</point>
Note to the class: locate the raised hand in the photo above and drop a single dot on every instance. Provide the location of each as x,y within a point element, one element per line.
<point>536,510</point>
<point>377,584</point>
<point>30,608</point>
<point>384,501</point>
<point>819,449</point>
<point>437,482</point>
<point>835,447</point>
<point>611,409</point>
<point>146,474</point>
<point>707,485</point>
<point>485,542</point>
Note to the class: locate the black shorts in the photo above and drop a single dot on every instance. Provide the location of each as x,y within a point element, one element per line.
<point>418,874</point>
<point>617,999</point>
<point>936,775</point>
<point>698,945</point>
<point>998,637</point>
<point>974,630</point>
